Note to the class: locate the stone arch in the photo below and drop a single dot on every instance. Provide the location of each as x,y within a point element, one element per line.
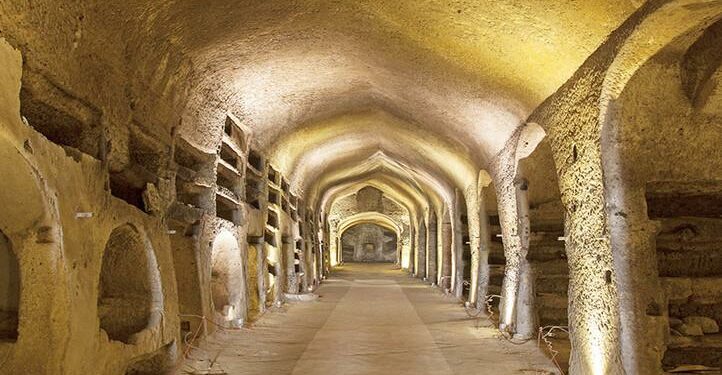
<point>9,290</point>
<point>368,242</point>
<point>227,279</point>
<point>666,183</point>
<point>129,291</point>
<point>377,218</point>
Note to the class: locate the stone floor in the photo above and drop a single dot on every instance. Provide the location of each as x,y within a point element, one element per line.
<point>370,319</point>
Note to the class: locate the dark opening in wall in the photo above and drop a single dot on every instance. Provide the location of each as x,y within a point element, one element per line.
<point>228,128</point>
<point>270,238</point>
<point>9,291</point>
<point>226,209</point>
<point>229,156</point>
<point>234,131</point>
<point>190,194</point>
<point>225,181</point>
<point>297,257</point>
<point>272,175</point>
<point>284,204</point>
<point>126,186</point>
<point>255,160</point>
<point>58,115</point>
<point>466,260</point>
<point>128,279</point>
<point>494,220</point>
<point>273,196</point>
<point>254,191</point>
<point>147,154</point>
<point>285,187</point>
<point>161,361</point>
<point>271,269</point>
<point>272,219</point>
<point>187,156</point>
<point>147,158</point>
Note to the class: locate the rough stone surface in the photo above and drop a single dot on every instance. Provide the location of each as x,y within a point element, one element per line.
<point>173,170</point>
<point>706,324</point>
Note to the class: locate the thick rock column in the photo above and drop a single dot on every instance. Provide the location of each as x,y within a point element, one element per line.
<point>432,248</point>
<point>412,249</point>
<point>446,248</point>
<point>508,218</point>
<point>642,303</point>
<point>258,245</point>
<point>482,286</point>
<point>458,247</point>
<point>421,246</point>
<point>526,324</point>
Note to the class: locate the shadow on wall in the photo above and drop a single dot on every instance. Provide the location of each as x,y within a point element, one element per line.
<point>9,291</point>
<point>369,243</point>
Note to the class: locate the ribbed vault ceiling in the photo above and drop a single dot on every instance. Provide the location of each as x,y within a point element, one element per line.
<point>437,86</point>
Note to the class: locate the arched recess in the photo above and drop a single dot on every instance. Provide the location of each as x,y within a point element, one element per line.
<point>671,199</point>
<point>604,281</point>
<point>130,297</point>
<point>9,290</point>
<point>370,218</point>
<point>375,218</point>
<point>368,242</point>
<point>228,286</point>
<point>392,202</point>
<point>665,29</point>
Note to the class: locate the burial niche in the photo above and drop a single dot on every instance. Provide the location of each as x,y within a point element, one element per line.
<point>129,287</point>
<point>9,291</point>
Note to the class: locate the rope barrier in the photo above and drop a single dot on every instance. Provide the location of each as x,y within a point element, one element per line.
<point>543,336</point>
<point>190,344</point>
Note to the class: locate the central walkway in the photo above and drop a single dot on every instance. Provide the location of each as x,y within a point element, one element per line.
<point>372,319</point>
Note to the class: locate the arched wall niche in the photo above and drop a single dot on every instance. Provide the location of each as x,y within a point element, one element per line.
<point>369,242</point>
<point>129,291</point>
<point>25,224</point>
<point>9,290</point>
<point>227,279</point>
<point>370,218</point>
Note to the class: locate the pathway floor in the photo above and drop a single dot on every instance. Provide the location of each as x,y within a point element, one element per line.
<point>372,319</point>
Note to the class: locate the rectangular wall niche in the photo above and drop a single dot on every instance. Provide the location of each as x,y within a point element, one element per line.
<point>270,238</point>
<point>274,197</point>
<point>272,175</point>
<point>226,209</point>
<point>255,160</point>
<point>230,156</point>
<point>272,219</point>
<point>233,130</point>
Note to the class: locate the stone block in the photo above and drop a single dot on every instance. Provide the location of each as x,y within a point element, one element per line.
<point>678,289</point>
<point>707,325</point>
<point>690,329</point>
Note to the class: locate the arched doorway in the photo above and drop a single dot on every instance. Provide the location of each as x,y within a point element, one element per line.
<point>369,242</point>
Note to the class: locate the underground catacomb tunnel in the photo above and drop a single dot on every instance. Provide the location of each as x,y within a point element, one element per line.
<point>361,187</point>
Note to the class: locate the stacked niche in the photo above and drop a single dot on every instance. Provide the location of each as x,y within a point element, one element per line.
<point>9,291</point>
<point>129,287</point>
